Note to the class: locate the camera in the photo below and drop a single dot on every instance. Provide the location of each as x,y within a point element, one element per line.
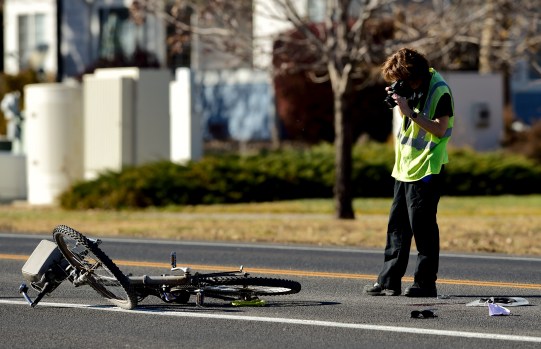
<point>401,88</point>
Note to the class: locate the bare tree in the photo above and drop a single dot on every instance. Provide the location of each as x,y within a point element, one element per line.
<point>222,29</point>
<point>348,52</point>
<point>493,33</point>
<point>345,48</point>
<point>348,46</point>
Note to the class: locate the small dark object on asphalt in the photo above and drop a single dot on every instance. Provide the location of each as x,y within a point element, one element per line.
<point>423,314</point>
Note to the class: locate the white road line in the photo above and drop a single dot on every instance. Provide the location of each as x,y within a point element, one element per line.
<point>367,327</point>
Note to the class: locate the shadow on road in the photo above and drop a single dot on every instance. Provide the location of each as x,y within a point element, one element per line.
<point>226,307</point>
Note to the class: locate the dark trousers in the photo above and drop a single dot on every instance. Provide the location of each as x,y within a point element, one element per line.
<point>413,214</point>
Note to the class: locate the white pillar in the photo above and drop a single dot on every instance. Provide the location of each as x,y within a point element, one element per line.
<point>186,128</point>
<point>54,140</point>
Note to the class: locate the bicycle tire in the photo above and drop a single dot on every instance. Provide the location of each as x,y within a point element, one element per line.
<point>101,272</point>
<point>247,287</point>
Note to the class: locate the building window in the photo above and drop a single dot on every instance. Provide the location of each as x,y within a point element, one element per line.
<point>31,41</point>
<point>117,34</point>
<point>122,42</point>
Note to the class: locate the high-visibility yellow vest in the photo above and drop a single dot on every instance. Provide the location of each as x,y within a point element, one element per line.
<point>419,153</point>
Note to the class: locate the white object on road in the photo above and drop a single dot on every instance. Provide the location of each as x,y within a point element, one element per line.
<point>507,301</point>
<point>496,310</point>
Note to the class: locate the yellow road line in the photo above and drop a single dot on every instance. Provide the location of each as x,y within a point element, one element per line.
<point>306,273</point>
<point>17,257</point>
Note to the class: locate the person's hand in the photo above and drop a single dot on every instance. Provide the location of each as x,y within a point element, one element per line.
<point>402,103</point>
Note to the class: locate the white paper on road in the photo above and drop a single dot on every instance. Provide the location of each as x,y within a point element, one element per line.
<point>496,310</point>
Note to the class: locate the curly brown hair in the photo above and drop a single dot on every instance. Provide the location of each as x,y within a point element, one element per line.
<point>405,64</point>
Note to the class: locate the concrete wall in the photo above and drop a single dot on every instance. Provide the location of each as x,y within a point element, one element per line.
<point>234,104</point>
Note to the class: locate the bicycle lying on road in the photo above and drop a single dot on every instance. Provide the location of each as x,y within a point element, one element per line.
<point>74,257</point>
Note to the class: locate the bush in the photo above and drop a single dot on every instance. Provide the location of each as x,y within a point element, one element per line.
<point>527,142</point>
<point>290,174</point>
<point>493,173</point>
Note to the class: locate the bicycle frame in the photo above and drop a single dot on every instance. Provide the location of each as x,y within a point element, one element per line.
<point>164,286</point>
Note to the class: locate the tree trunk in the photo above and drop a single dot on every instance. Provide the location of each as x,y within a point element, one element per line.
<point>487,33</point>
<point>343,158</point>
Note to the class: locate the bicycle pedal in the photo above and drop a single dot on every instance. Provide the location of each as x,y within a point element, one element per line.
<point>250,303</point>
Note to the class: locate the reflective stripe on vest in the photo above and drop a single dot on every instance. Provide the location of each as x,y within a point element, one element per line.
<point>420,142</point>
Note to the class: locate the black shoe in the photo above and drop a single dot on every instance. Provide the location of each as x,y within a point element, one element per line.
<point>377,290</point>
<point>417,291</point>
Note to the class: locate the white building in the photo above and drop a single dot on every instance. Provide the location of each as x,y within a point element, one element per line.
<point>65,37</point>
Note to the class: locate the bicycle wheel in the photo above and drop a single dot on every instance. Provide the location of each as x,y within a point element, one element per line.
<point>95,267</point>
<point>248,288</point>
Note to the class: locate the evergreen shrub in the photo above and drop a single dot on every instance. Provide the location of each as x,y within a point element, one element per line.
<point>291,174</point>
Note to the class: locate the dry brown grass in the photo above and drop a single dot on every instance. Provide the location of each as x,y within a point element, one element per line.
<point>499,224</point>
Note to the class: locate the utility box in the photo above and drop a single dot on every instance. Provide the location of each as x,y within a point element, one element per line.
<point>53,140</point>
<point>126,112</point>
<point>109,136</point>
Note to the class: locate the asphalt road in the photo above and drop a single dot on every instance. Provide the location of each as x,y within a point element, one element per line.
<point>329,312</point>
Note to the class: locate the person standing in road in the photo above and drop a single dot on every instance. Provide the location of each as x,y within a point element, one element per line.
<point>425,102</point>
